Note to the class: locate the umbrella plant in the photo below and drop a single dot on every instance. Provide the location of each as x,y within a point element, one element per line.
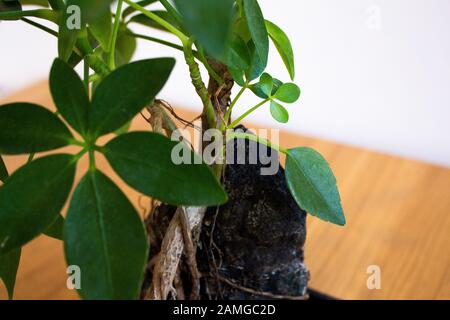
<point>102,231</point>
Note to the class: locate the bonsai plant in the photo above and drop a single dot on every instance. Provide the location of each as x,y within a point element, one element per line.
<point>102,233</point>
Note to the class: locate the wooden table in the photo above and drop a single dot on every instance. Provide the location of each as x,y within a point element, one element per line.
<point>398,214</point>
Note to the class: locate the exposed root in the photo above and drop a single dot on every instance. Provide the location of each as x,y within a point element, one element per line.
<point>261,293</point>
<point>168,259</point>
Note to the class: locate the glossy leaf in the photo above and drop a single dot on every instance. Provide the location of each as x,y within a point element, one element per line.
<point>10,6</point>
<point>56,229</point>
<point>9,264</point>
<point>257,90</point>
<point>313,185</point>
<point>257,28</point>
<point>278,112</point>
<point>266,84</point>
<point>105,237</point>
<point>257,66</point>
<point>143,160</point>
<point>283,45</point>
<point>32,198</point>
<point>69,95</point>
<point>3,171</point>
<point>67,38</point>
<point>91,10</point>
<point>209,22</point>
<point>238,76</point>
<point>238,54</point>
<point>125,92</point>
<point>101,28</point>
<point>125,47</point>
<point>28,128</point>
<point>288,92</point>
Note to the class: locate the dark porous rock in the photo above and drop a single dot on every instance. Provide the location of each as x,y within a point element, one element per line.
<point>253,243</point>
<point>258,235</point>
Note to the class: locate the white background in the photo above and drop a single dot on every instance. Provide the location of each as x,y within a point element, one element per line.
<point>373,73</point>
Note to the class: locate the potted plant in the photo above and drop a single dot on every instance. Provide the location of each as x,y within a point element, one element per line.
<point>221,230</point>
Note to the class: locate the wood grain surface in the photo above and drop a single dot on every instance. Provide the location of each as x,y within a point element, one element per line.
<point>398,214</point>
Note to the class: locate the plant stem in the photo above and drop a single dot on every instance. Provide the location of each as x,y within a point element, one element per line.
<point>210,70</point>
<point>200,88</point>
<point>86,76</point>
<point>238,120</point>
<point>91,159</point>
<point>184,39</point>
<point>240,135</point>
<point>82,50</point>
<point>160,41</point>
<point>40,26</point>
<point>171,10</point>
<point>233,103</point>
<point>112,42</point>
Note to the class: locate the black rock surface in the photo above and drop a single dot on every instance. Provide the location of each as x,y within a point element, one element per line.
<point>258,234</point>
<point>254,241</point>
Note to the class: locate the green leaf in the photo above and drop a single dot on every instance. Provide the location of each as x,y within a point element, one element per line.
<point>313,185</point>
<point>288,92</point>
<point>9,264</point>
<point>3,171</point>
<point>102,28</point>
<point>105,237</point>
<point>144,161</point>
<point>266,83</point>
<point>125,47</point>
<point>257,27</point>
<point>10,6</point>
<point>238,54</point>
<point>257,66</point>
<point>56,229</point>
<point>125,92</point>
<point>209,22</point>
<point>91,10</point>
<point>257,90</point>
<point>67,38</point>
<point>32,198</point>
<point>238,76</point>
<point>283,45</point>
<point>69,95</point>
<point>29,128</point>
<point>278,112</point>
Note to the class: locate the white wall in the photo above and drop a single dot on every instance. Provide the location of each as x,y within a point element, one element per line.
<point>374,73</point>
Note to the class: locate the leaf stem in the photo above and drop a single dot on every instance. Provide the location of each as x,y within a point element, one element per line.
<point>241,135</point>
<point>233,103</point>
<point>171,10</point>
<point>211,71</point>
<point>112,42</point>
<point>92,166</point>
<point>183,38</point>
<point>200,88</point>
<point>238,120</point>
<point>40,26</point>
<point>156,40</point>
